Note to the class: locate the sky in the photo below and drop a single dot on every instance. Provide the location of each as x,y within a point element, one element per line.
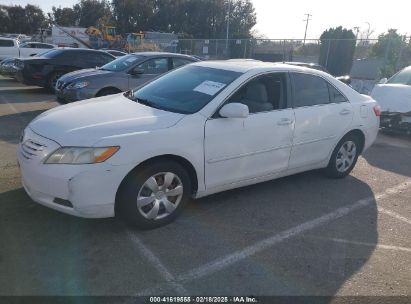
<point>284,19</point>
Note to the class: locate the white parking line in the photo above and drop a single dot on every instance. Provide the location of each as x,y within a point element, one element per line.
<point>344,241</point>
<point>395,215</point>
<point>246,252</point>
<point>242,254</point>
<point>157,264</point>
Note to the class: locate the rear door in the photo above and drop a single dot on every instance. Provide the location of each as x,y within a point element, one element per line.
<point>322,116</point>
<point>151,68</point>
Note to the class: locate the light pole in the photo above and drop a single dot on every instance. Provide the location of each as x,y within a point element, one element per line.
<point>228,26</point>
<point>306,26</point>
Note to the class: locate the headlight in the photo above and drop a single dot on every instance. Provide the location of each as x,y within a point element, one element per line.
<point>22,135</point>
<point>81,155</point>
<point>79,85</point>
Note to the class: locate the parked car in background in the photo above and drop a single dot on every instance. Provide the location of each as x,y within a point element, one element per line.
<point>122,74</point>
<point>203,128</point>
<point>10,47</point>
<point>394,97</point>
<point>345,79</point>
<point>115,53</point>
<point>7,67</point>
<point>44,70</point>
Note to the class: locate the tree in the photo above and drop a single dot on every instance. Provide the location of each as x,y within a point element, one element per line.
<point>35,18</point>
<point>337,50</point>
<point>92,12</point>
<point>131,15</point>
<point>4,19</point>
<point>17,19</point>
<point>394,52</point>
<point>65,16</point>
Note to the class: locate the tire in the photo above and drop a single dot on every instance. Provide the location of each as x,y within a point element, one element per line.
<point>156,207</point>
<point>53,80</point>
<point>105,92</point>
<point>344,157</point>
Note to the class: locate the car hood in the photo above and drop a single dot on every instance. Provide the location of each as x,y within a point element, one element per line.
<point>86,122</point>
<point>393,97</point>
<point>83,74</point>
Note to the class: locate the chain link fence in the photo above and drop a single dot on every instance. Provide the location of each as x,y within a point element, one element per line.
<point>369,63</point>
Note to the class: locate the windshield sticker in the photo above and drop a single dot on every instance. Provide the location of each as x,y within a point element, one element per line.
<point>209,87</point>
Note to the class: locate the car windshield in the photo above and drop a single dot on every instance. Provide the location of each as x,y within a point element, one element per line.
<point>185,90</point>
<point>121,63</point>
<point>402,77</point>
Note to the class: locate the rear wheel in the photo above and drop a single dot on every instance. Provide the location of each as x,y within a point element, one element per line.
<point>154,195</point>
<point>344,157</point>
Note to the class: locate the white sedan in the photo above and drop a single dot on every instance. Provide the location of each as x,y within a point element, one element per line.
<point>201,129</point>
<point>394,94</point>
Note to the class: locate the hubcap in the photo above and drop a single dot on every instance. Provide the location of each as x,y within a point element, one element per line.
<point>160,195</point>
<point>346,156</point>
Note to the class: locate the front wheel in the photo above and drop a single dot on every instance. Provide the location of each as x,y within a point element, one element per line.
<point>344,157</point>
<point>154,195</point>
<point>53,80</point>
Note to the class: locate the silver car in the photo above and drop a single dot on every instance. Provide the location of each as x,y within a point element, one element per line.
<point>122,74</point>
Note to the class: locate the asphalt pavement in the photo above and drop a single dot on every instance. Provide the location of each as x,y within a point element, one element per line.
<point>300,235</point>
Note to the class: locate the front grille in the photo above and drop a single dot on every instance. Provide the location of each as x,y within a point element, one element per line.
<point>30,149</point>
<point>62,202</point>
<point>59,84</point>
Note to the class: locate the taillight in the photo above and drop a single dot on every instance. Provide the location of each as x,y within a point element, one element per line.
<point>377,110</point>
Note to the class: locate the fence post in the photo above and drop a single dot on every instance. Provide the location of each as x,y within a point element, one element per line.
<point>328,53</point>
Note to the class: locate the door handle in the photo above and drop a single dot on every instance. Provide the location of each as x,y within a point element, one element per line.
<point>285,121</point>
<point>345,112</point>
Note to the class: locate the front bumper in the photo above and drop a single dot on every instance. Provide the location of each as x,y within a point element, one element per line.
<point>27,79</point>
<point>70,95</point>
<point>89,189</point>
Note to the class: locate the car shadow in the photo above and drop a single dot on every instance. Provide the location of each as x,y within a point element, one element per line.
<point>391,153</point>
<point>45,252</point>
<point>26,95</point>
<point>12,125</point>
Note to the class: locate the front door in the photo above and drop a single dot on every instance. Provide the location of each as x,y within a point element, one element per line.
<point>259,145</point>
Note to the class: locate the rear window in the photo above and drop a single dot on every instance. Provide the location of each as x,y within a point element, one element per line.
<point>53,53</point>
<point>6,43</point>
<point>402,77</point>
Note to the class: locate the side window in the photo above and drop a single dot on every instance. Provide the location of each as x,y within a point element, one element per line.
<point>102,59</point>
<point>155,66</point>
<point>178,62</point>
<point>44,46</point>
<point>335,95</point>
<point>264,93</point>
<point>309,90</point>
<point>6,43</point>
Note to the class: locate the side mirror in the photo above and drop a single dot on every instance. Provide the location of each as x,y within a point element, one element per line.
<point>234,110</point>
<point>137,71</point>
<point>383,81</point>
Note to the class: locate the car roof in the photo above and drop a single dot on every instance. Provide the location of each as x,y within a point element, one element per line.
<point>247,65</point>
<point>159,54</point>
